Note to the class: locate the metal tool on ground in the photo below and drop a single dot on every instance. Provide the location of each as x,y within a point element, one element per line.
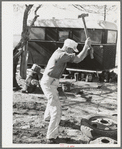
<point>86,32</point>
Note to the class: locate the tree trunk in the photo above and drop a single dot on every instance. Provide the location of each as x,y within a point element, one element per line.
<point>24,61</point>
<point>15,84</point>
<point>21,44</point>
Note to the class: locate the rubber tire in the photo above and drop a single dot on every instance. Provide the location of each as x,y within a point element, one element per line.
<point>103,140</point>
<point>95,132</point>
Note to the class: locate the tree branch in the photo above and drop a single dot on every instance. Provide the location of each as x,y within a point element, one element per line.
<point>37,9</point>
<point>90,9</point>
<point>26,31</point>
<point>36,16</point>
<point>76,6</point>
<point>26,16</point>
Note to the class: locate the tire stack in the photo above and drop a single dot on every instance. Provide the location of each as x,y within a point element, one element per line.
<point>100,129</point>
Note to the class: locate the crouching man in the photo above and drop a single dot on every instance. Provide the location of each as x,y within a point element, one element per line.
<point>50,81</point>
<point>32,81</point>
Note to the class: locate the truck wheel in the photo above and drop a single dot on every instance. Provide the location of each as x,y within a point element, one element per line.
<point>98,126</point>
<point>89,78</point>
<point>103,140</point>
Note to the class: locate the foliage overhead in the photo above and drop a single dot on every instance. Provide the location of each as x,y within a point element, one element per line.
<point>98,9</point>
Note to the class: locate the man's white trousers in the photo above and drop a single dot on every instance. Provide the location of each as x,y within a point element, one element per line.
<point>53,110</point>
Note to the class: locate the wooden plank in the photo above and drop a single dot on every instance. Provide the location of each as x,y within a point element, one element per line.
<point>41,52</point>
<point>83,70</point>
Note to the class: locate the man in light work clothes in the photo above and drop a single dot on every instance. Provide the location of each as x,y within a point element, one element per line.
<point>50,81</point>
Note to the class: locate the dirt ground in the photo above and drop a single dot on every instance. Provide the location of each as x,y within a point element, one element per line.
<point>28,111</point>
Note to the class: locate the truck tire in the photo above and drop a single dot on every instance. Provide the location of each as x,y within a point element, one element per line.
<point>99,126</point>
<point>103,140</point>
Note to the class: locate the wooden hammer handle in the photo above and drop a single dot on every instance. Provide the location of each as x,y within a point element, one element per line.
<point>86,34</point>
<point>85,29</point>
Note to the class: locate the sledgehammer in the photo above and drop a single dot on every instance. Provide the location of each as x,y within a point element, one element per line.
<point>83,15</point>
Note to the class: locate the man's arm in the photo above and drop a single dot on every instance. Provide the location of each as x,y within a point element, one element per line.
<point>78,58</point>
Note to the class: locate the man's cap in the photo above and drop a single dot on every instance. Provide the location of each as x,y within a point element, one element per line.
<point>35,68</point>
<point>71,44</point>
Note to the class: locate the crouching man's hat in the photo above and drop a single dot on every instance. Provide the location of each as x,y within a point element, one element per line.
<point>36,69</point>
<point>71,44</point>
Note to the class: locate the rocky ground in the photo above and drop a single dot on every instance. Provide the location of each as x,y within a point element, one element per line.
<point>28,111</point>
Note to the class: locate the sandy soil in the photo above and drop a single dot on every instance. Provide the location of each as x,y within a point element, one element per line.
<point>28,111</point>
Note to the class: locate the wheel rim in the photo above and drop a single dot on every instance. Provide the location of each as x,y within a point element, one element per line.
<point>103,123</point>
<point>104,140</point>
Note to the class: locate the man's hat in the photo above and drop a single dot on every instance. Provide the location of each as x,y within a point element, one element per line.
<point>36,69</point>
<point>71,44</point>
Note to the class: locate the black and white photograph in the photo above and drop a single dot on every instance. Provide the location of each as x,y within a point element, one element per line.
<point>61,74</point>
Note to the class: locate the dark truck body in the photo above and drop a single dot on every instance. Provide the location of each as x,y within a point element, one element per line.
<point>45,39</point>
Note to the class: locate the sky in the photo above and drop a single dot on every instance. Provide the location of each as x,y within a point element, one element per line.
<point>47,11</point>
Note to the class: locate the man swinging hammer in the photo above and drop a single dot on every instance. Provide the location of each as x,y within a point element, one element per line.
<point>50,81</point>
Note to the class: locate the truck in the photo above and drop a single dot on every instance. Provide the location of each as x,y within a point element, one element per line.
<point>47,35</point>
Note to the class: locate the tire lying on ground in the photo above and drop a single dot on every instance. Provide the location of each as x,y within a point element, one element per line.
<point>99,126</point>
<point>103,140</point>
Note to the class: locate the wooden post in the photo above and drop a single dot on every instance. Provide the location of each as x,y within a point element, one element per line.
<point>105,12</point>
<point>24,61</point>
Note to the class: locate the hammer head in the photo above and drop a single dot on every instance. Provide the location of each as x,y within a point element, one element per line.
<point>83,15</point>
